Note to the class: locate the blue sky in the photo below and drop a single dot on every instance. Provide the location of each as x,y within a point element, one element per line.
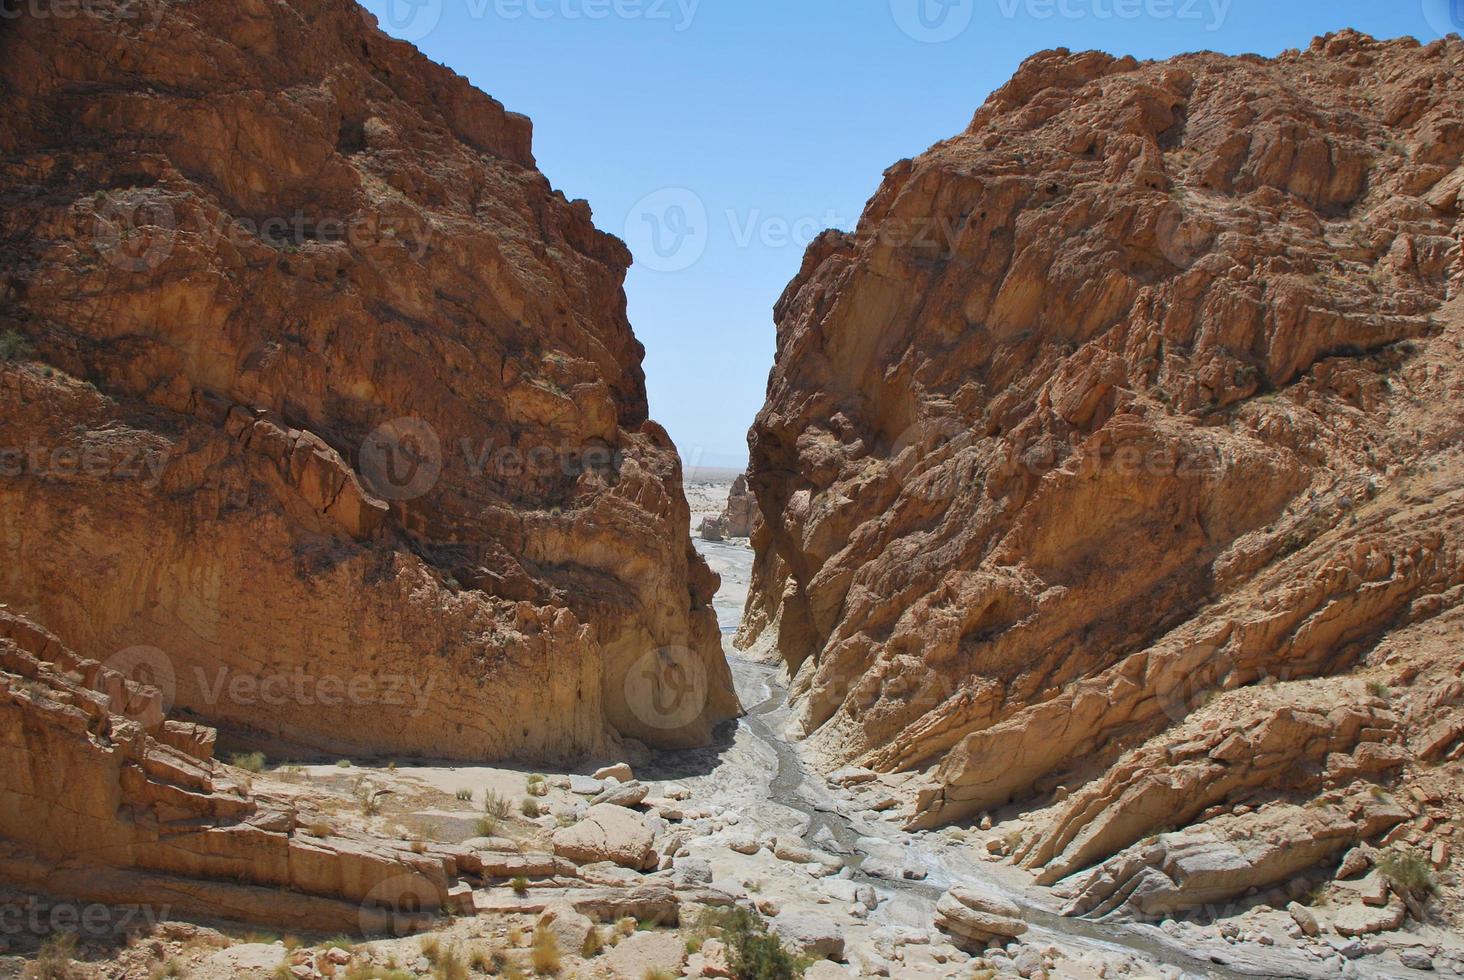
<point>718,136</point>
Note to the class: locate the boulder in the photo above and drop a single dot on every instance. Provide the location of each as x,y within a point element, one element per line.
<point>623,794</point>
<point>1364,920</point>
<point>809,934</point>
<point>570,928</point>
<point>620,771</point>
<point>608,833</point>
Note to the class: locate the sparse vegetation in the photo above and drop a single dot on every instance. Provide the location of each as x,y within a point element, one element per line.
<point>1378,689</point>
<point>53,962</point>
<point>465,796</point>
<point>172,968</point>
<point>753,953</point>
<point>537,785</point>
<point>520,885</point>
<point>450,966</point>
<point>368,797</point>
<point>545,956</point>
<point>1408,870</point>
<point>593,944</point>
<point>248,761</point>
<point>319,828</point>
<point>344,763</point>
<point>366,971</point>
<point>496,806</point>
<point>13,346</point>
<point>655,973</point>
<point>529,807</point>
<point>431,948</point>
<point>485,826</point>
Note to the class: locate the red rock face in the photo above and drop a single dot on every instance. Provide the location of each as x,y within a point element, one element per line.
<point>1141,390</point>
<point>317,388</point>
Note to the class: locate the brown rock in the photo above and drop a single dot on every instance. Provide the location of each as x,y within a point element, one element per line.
<point>607,833</point>
<point>365,425</point>
<point>1094,418</point>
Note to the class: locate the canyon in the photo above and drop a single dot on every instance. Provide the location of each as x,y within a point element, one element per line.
<point>1092,605</point>
<point>1110,468</point>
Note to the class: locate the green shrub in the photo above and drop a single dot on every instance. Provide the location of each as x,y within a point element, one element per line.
<point>465,796</point>
<point>1409,870</point>
<point>13,347</point>
<point>248,761</point>
<point>755,954</point>
<point>496,806</point>
<point>53,962</point>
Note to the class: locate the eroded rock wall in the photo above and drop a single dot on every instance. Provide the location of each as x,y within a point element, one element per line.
<point>314,382</point>
<point>1145,388</point>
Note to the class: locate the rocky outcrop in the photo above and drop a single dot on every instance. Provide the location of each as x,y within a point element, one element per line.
<point>151,818</point>
<point>737,519</point>
<point>1143,391</point>
<point>326,402</point>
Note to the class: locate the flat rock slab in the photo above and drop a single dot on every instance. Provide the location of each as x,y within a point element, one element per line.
<point>643,952</point>
<point>1364,920</point>
<point>810,935</point>
<point>607,833</point>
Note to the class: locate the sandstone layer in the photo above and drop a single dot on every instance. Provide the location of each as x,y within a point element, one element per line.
<point>323,405</point>
<point>738,517</point>
<point>1141,395</point>
<point>108,800</point>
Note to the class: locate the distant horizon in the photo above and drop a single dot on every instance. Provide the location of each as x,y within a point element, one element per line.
<point>718,138</point>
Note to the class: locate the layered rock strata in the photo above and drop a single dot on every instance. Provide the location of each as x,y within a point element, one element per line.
<point>316,392</point>
<point>1142,392</point>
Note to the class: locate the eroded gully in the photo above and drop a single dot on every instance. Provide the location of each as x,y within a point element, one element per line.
<point>760,774</point>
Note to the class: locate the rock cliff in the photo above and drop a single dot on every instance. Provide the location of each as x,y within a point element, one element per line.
<point>316,392</point>
<point>1141,395</point>
<point>151,816</point>
<point>738,518</point>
